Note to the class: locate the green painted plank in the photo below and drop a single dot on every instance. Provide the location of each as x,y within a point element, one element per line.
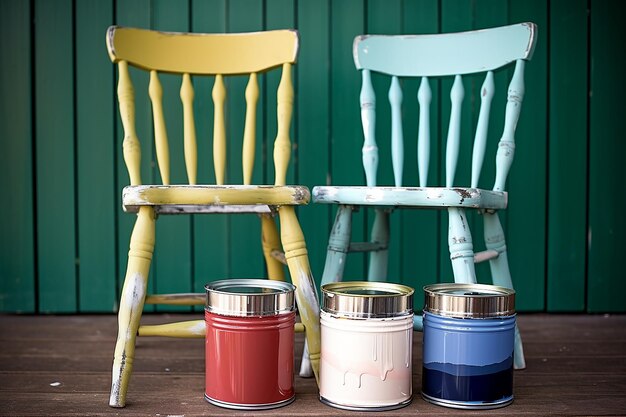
<point>279,14</point>
<point>173,256</point>
<point>526,222</point>
<point>95,159</point>
<point>456,16</point>
<point>420,234</point>
<point>386,17</point>
<point>210,232</point>
<point>489,13</point>
<point>607,226</point>
<point>245,230</point>
<point>54,129</point>
<point>567,197</point>
<point>136,13</point>
<point>346,135</point>
<point>313,119</point>
<point>17,245</point>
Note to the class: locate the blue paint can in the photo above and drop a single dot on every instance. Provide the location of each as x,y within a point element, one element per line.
<point>469,334</point>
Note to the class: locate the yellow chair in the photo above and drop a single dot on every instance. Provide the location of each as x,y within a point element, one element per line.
<point>218,56</point>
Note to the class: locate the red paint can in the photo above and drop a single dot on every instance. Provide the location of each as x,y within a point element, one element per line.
<point>249,343</point>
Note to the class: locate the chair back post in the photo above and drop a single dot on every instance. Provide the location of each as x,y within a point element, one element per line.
<point>249,132</point>
<point>219,129</point>
<point>189,129</point>
<point>284,109</point>
<point>368,122</point>
<point>506,147</point>
<point>131,145</point>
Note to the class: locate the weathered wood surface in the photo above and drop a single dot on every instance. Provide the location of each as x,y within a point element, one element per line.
<point>60,366</point>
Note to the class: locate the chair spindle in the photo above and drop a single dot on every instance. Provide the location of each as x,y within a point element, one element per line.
<point>454,130</point>
<point>506,147</point>
<point>397,141</point>
<point>160,132</point>
<point>284,108</point>
<point>219,130</point>
<point>249,133</point>
<point>368,119</point>
<point>189,129</point>
<point>480,140</point>
<point>131,145</point>
<point>424,96</point>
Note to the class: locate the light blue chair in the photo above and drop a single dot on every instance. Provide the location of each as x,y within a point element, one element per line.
<point>427,57</point>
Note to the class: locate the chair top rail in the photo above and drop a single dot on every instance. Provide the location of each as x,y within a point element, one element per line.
<point>445,54</point>
<point>202,54</point>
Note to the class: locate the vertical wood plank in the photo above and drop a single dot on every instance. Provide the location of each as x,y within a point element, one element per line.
<point>245,230</point>
<point>526,214</point>
<point>346,136</point>
<point>210,232</point>
<point>135,14</point>
<point>567,163</point>
<point>456,16</point>
<point>54,124</point>
<point>386,17</point>
<point>17,244</point>
<point>95,159</point>
<point>279,14</point>
<point>420,235</point>
<point>313,122</point>
<point>173,256</point>
<point>490,13</point>
<point>607,226</point>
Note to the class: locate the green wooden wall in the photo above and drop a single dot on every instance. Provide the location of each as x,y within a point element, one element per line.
<point>63,235</point>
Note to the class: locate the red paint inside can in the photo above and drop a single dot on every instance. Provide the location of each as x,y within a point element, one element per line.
<point>249,348</point>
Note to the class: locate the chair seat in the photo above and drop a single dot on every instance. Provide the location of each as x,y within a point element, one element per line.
<point>172,199</point>
<point>426,197</point>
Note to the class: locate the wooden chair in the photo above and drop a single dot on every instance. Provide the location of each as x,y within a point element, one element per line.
<point>427,57</point>
<point>218,56</point>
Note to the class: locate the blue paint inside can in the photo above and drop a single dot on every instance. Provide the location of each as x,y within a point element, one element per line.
<point>468,362</point>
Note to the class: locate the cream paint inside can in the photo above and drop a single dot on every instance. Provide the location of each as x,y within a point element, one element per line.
<point>366,345</point>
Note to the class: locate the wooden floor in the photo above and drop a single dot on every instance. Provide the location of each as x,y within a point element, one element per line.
<point>59,365</point>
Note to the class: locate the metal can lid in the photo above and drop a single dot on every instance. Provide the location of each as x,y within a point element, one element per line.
<point>364,299</point>
<point>249,297</point>
<point>473,301</point>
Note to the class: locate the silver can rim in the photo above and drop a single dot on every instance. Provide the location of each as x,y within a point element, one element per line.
<point>367,299</point>
<point>274,298</point>
<point>473,301</point>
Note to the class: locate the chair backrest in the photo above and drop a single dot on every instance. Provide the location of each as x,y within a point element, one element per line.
<point>441,55</point>
<point>218,55</point>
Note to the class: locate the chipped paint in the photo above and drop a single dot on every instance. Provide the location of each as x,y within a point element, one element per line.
<point>374,195</point>
<point>199,328</point>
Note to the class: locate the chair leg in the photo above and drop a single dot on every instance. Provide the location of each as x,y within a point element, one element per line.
<point>500,273</point>
<point>461,247</point>
<point>338,245</point>
<point>379,259</point>
<point>131,303</point>
<point>270,242</point>
<point>302,278</point>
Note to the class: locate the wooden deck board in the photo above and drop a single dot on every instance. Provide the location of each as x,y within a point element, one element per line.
<point>576,366</point>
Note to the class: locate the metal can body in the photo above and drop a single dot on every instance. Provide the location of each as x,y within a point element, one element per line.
<point>365,359</point>
<point>468,346</point>
<point>249,344</point>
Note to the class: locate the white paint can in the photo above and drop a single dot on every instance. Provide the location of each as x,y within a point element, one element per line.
<point>366,346</point>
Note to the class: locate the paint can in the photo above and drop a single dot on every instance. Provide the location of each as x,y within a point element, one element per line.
<point>469,334</point>
<point>249,343</point>
<point>366,339</point>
